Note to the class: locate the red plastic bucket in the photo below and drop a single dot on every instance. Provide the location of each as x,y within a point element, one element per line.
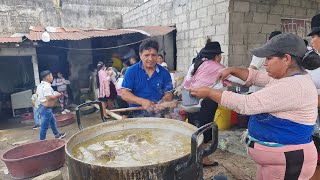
<point>234,118</point>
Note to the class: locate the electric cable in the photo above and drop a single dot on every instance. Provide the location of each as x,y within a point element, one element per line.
<point>95,49</point>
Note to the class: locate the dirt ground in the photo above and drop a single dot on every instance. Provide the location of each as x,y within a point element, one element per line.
<point>233,165</point>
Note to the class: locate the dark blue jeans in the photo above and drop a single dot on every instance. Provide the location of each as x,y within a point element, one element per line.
<point>47,118</point>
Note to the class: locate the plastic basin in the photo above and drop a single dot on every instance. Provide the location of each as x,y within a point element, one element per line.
<point>64,119</point>
<point>35,158</point>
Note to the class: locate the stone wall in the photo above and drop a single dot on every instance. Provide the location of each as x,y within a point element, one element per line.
<point>194,20</point>
<point>79,62</point>
<point>251,22</point>
<point>19,15</point>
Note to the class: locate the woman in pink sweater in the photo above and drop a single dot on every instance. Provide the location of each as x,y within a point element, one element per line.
<point>103,83</point>
<point>283,113</point>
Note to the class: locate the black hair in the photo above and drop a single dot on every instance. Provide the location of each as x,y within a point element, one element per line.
<point>149,44</point>
<point>197,61</point>
<point>44,74</point>
<point>127,63</point>
<point>306,42</point>
<point>160,55</point>
<point>274,33</point>
<point>310,61</point>
<point>99,66</point>
<point>34,89</point>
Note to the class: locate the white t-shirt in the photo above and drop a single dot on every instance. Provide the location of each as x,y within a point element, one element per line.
<point>315,76</point>
<point>164,64</point>
<point>34,98</point>
<point>44,89</point>
<point>258,63</point>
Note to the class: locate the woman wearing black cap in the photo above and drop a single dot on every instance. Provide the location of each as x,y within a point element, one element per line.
<point>315,75</point>
<point>315,33</point>
<point>283,113</point>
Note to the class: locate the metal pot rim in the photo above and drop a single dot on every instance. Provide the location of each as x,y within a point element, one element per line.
<point>134,120</point>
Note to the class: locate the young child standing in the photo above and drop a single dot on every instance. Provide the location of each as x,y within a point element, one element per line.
<point>61,84</point>
<point>35,106</point>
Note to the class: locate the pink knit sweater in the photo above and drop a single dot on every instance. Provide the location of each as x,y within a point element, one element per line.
<point>293,98</point>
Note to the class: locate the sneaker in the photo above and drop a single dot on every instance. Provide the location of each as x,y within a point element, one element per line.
<point>36,126</point>
<point>60,135</point>
<point>67,110</point>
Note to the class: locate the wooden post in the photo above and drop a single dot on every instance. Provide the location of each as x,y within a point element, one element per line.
<point>35,69</point>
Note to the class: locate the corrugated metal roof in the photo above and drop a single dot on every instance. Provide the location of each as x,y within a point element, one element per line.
<point>106,33</point>
<point>156,30</point>
<point>36,36</point>
<point>9,38</point>
<point>60,33</point>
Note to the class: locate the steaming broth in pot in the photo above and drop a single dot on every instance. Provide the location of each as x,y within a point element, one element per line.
<point>133,147</point>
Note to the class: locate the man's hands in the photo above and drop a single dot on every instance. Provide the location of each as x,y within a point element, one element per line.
<point>151,106</point>
<point>148,105</point>
<point>177,91</point>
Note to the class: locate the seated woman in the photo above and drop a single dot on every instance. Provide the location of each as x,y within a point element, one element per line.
<point>283,113</point>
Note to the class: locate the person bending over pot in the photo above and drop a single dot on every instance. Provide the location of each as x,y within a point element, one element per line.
<point>283,114</point>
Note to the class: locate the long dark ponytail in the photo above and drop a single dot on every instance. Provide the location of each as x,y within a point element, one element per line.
<point>198,59</point>
<point>310,61</point>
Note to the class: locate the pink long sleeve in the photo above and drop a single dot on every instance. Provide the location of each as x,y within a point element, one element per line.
<point>258,78</point>
<point>293,98</point>
<point>104,81</point>
<point>206,75</point>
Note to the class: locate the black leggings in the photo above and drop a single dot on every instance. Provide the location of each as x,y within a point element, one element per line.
<point>204,116</point>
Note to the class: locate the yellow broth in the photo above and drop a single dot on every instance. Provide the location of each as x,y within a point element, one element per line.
<point>133,147</point>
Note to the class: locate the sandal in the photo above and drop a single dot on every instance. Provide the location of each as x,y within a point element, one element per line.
<point>106,117</point>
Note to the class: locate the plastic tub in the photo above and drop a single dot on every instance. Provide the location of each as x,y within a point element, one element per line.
<point>36,158</point>
<point>64,119</point>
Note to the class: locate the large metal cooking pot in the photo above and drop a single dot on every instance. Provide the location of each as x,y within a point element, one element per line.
<point>184,168</point>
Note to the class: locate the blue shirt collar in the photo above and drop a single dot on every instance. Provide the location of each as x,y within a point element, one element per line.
<point>141,66</point>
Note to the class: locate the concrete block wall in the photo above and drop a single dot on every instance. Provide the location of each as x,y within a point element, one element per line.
<point>79,62</point>
<point>195,22</point>
<point>251,22</point>
<point>19,15</point>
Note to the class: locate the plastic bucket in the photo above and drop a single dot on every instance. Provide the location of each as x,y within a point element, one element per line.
<point>234,118</point>
<point>223,118</point>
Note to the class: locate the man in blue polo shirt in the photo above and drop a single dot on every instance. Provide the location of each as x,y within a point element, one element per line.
<point>146,83</point>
